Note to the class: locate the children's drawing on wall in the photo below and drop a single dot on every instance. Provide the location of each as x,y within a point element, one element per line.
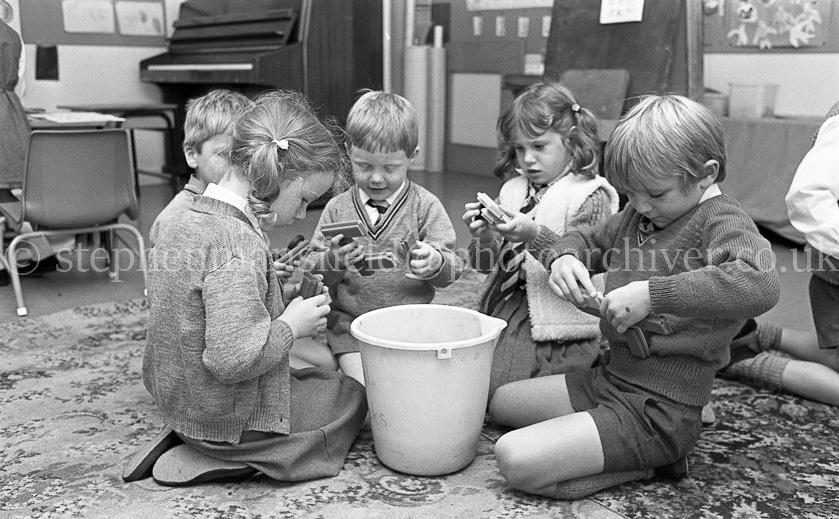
<point>767,24</point>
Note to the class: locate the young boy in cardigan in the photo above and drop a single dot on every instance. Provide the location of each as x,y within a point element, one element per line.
<point>680,249</point>
<point>382,135</point>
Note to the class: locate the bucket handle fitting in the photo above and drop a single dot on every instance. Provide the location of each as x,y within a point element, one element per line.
<point>444,353</point>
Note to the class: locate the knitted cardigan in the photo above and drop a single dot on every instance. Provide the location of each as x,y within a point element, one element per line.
<point>416,210</point>
<point>176,208</point>
<point>553,318</point>
<point>708,272</point>
<point>216,358</point>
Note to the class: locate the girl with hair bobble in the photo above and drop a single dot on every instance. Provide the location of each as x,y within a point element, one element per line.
<point>220,328</point>
<point>548,161</point>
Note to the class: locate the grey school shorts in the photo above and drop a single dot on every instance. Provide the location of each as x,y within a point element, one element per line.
<point>824,301</point>
<point>638,429</point>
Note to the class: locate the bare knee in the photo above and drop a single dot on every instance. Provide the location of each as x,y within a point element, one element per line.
<point>500,406</point>
<point>513,463</point>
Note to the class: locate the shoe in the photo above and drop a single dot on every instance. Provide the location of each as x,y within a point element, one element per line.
<point>675,471</point>
<point>139,465</point>
<point>182,465</point>
<point>709,417</point>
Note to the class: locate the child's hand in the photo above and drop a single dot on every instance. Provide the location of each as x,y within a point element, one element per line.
<point>569,278</point>
<point>520,228</point>
<point>478,228</point>
<point>425,261</point>
<point>306,317</point>
<point>291,291</point>
<point>284,271</point>
<point>627,305</point>
<point>345,255</point>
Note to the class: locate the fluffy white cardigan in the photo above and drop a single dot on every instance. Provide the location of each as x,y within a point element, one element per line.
<point>552,318</point>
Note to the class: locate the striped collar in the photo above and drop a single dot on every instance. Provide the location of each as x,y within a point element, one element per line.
<point>376,230</point>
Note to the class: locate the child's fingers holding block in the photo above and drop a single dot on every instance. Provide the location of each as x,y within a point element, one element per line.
<point>425,260</point>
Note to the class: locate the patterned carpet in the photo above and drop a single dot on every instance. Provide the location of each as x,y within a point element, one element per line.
<point>73,407</point>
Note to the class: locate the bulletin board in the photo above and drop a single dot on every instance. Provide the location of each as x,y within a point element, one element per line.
<point>140,23</point>
<point>763,26</point>
<point>662,51</point>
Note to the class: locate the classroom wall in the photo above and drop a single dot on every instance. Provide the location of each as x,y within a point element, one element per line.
<point>808,84</point>
<point>99,74</point>
<point>92,73</point>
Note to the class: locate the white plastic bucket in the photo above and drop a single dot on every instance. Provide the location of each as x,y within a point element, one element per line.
<point>426,368</point>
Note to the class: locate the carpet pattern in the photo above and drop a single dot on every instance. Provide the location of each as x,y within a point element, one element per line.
<point>73,408</point>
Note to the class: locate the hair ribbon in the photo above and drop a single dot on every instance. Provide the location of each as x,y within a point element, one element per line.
<point>282,144</point>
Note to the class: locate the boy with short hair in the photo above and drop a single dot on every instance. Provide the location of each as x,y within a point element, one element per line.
<point>680,249</point>
<point>207,132</point>
<point>382,135</point>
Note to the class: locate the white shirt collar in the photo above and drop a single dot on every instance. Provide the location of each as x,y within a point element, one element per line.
<point>227,196</point>
<point>364,197</point>
<point>712,191</point>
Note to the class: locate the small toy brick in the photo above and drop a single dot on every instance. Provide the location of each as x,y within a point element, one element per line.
<point>491,212</point>
<point>310,285</point>
<point>349,230</point>
<point>635,337</point>
<point>300,250</point>
<point>375,261</point>
<point>407,244</point>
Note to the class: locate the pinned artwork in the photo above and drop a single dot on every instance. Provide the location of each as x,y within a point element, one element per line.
<point>767,24</point>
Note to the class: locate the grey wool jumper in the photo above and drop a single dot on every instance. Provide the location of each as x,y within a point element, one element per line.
<point>216,359</point>
<point>708,272</point>
<point>415,209</point>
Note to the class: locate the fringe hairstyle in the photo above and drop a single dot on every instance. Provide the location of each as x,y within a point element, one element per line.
<point>542,107</point>
<point>214,113</point>
<point>383,122</point>
<point>664,136</point>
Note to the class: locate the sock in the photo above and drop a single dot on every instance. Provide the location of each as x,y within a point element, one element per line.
<point>581,487</point>
<point>767,367</point>
<point>769,336</point>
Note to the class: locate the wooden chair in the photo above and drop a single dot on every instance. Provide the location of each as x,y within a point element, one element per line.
<point>75,182</point>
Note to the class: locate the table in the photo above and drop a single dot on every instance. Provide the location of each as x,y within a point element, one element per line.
<point>160,111</point>
<point>763,155</point>
<point>72,120</point>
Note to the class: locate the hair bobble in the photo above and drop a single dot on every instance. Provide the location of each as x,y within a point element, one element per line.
<point>576,109</point>
<point>282,144</point>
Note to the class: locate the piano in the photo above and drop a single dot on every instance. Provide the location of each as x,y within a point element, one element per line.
<point>327,49</point>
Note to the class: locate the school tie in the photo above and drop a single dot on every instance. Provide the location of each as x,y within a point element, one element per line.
<point>513,254</point>
<point>381,207</point>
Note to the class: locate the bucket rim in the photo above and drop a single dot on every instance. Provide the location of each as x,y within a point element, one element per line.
<point>428,346</point>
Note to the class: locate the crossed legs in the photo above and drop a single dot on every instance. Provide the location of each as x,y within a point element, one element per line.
<point>551,442</point>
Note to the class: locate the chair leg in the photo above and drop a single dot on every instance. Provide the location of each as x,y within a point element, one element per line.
<point>109,243</point>
<point>11,264</point>
<point>141,245</point>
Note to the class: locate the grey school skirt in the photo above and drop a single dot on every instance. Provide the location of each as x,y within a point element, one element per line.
<point>327,411</point>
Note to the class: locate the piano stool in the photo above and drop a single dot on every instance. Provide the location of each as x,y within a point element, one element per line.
<point>163,111</point>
